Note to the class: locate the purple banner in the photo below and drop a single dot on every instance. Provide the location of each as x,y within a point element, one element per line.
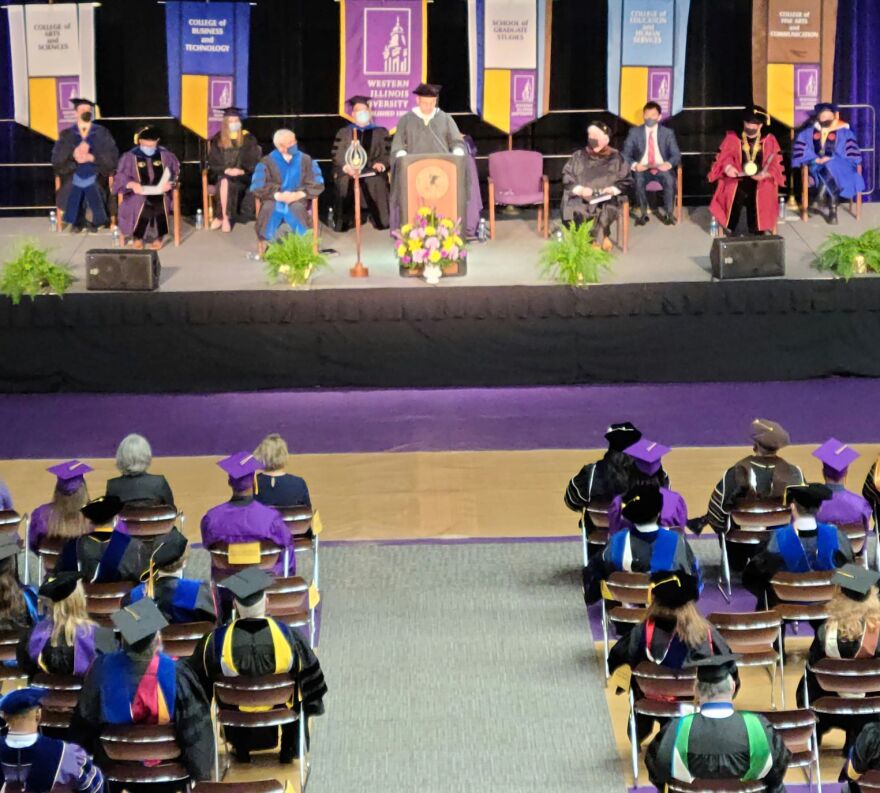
<point>523,98</point>
<point>383,56</point>
<point>221,93</point>
<point>660,88</point>
<point>66,89</point>
<point>807,78</point>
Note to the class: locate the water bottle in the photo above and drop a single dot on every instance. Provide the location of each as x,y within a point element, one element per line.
<point>53,221</point>
<point>200,220</point>
<point>117,240</point>
<point>782,208</point>
<point>482,230</point>
<point>559,236</point>
<point>713,227</point>
<point>331,218</point>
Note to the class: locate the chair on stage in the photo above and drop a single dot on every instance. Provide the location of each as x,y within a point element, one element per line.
<point>625,599</point>
<point>175,209</point>
<point>517,178</point>
<point>597,512</point>
<point>112,205</point>
<point>316,223</point>
<point>855,205</point>
<point>797,728</point>
<point>654,186</point>
<point>142,754</point>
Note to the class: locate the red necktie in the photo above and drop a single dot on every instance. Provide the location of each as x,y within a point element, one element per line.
<point>652,150</point>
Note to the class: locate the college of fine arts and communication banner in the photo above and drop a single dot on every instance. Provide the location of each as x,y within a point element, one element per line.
<point>793,56</point>
<point>647,42</point>
<point>509,47</point>
<point>53,59</point>
<point>383,53</point>
<point>208,47</point>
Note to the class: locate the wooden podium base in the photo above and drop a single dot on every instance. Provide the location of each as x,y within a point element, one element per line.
<point>359,271</point>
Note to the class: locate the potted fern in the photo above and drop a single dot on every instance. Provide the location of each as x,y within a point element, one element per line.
<point>293,259</point>
<point>573,258</point>
<point>31,272</point>
<point>848,256</point>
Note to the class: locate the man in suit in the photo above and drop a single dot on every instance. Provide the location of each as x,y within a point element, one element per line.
<point>651,151</point>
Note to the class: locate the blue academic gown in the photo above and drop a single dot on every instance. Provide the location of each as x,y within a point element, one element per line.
<point>839,174</point>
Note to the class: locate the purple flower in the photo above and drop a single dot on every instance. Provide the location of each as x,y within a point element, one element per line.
<point>406,260</point>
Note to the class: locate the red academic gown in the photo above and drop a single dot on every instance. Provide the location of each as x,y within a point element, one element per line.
<point>767,194</point>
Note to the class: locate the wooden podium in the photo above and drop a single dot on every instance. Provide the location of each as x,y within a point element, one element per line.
<point>437,181</point>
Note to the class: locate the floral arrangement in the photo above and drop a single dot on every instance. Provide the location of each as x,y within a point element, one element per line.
<point>429,240</point>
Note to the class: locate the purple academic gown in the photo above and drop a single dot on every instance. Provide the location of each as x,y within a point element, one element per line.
<point>130,208</point>
<point>843,507</point>
<point>5,496</point>
<point>673,514</point>
<point>39,526</point>
<point>246,520</point>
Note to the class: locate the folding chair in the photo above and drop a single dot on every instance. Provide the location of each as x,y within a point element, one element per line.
<point>596,514</point>
<point>130,746</point>
<point>105,599</point>
<point>287,600</point>
<point>112,204</point>
<point>631,593</point>
<point>517,178</point>
<point>805,196</point>
<point>8,643</point>
<point>299,520</point>
<point>257,786</point>
<point>58,705</point>
<point>175,210</point>
<point>858,538</point>
<point>13,523</point>
<point>48,552</point>
<point>852,686</point>
<point>654,186</point>
<point>797,728</point>
<point>715,786</point>
<point>752,634</point>
<point>179,640</point>
<point>221,567</point>
<point>869,782</point>
<point>148,523</point>
<point>802,596</point>
<point>622,223</point>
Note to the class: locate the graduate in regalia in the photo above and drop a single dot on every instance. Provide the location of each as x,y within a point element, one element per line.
<point>146,218</point>
<point>84,156</point>
<point>871,489</point>
<point>19,608</point>
<point>718,742</point>
<point>646,548</point>
<point>830,150</point>
<point>863,757</point>
<point>233,154</point>
<point>844,507</point>
<point>62,517</point>
<point>104,555</point>
<point>253,645</point>
<point>140,685</point>
<point>36,763</point>
<point>374,177</point>
<point>749,171</point>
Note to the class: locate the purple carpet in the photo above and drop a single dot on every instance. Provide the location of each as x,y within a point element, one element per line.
<point>709,414</point>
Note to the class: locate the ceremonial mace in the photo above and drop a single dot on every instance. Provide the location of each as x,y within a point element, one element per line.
<point>356,159</point>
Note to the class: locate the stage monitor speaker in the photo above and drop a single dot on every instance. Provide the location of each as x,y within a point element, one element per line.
<point>748,257</point>
<point>125,271</point>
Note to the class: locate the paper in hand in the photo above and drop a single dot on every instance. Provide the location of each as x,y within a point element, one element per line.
<point>157,189</point>
<point>600,198</point>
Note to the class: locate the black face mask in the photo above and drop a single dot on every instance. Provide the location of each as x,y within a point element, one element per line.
<point>593,143</point>
<point>86,116</point>
<point>752,132</point>
<point>826,123</point>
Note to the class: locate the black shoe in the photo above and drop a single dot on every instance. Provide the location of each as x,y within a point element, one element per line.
<point>832,214</point>
<point>287,755</point>
<point>668,220</point>
<point>242,755</point>
<point>642,219</point>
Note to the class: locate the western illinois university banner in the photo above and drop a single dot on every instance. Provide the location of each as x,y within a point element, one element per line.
<point>53,59</point>
<point>793,56</point>
<point>509,45</point>
<point>208,48</point>
<point>647,43</point>
<point>383,52</point>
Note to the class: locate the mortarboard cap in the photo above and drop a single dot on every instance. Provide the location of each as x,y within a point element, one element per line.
<point>427,89</point>
<point>101,511</point>
<point>822,106</point>
<point>601,126</point>
<point>358,99</point>
<point>22,700</point>
<point>232,110</point>
<point>69,475</point>
<point>756,114</point>
<point>10,545</point>
<point>621,435</point>
<point>169,548</point>
<point>809,496</point>
<point>714,668</point>
<point>241,468</point>
<point>855,581</point>
<point>642,504</point>
<point>148,132</point>
<point>647,454</point>
<point>139,621</point>
<point>248,586</point>
<point>76,101</point>
<point>836,456</point>
<point>674,590</point>
<point>60,586</point>
<point>769,434</point>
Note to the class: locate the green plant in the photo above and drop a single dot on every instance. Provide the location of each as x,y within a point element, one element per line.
<point>574,259</point>
<point>845,256</point>
<point>293,258</point>
<point>32,273</point>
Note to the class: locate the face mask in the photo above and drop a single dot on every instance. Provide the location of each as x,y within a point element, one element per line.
<point>362,117</point>
<point>148,150</point>
<point>826,123</point>
<point>752,132</point>
<point>235,126</point>
<point>651,122</point>
<point>86,116</point>
<point>593,143</point>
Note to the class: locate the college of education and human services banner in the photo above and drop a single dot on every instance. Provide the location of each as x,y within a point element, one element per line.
<point>509,46</point>
<point>52,49</point>
<point>793,56</point>
<point>383,52</point>
<point>208,47</point>
<point>647,43</point>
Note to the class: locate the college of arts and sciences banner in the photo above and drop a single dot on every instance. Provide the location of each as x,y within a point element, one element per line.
<point>509,46</point>
<point>208,48</point>
<point>647,42</point>
<point>793,56</point>
<point>52,49</point>
<point>383,52</point>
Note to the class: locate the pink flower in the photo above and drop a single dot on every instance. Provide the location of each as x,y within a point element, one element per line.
<point>453,252</point>
<point>443,254</point>
<point>406,260</point>
<point>419,256</point>
<point>414,234</point>
<point>432,242</point>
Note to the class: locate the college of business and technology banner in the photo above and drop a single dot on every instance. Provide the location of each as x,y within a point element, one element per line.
<point>793,56</point>
<point>208,48</point>
<point>383,53</point>
<point>52,49</point>
<point>509,46</point>
<point>647,42</point>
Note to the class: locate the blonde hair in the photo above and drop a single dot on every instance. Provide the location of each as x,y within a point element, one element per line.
<point>853,617</point>
<point>226,139</point>
<point>272,452</point>
<point>68,616</point>
<point>690,626</point>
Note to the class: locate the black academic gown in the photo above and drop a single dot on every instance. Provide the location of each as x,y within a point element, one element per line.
<point>141,489</point>
<point>871,492</point>
<point>374,184</point>
<point>86,554</point>
<point>179,609</point>
<point>106,158</point>
<point>865,756</point>
<point>59,659</point>
<point>240,203</point>
<point>586,168</point>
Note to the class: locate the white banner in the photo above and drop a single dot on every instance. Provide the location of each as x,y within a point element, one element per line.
<point>510,34</point>
<point>52,33</point>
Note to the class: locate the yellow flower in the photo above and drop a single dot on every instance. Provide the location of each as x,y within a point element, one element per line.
<point>414,245</point>
<point>447,223</point>
<point>434,256</point>
<point>430,231</point>
<point>458,240</point>
<point>406,228</point>
<point>448,244</point>
<point>401,250</point>
<point>425,212</point>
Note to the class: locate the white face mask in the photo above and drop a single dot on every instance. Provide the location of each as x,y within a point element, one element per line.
<point>362,117</point>
<point>235,126</point>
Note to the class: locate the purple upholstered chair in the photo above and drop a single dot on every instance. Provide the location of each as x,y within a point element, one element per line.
<point>517,178</point>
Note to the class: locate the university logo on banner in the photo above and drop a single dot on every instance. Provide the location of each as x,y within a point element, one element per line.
<point>647,44</point>
<point>383,55</point>
<point>52,49</point>
<point>509,45</point>
<point>793,56</point>
<point>208,48</point>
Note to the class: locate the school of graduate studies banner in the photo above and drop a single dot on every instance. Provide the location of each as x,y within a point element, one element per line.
<point>793,56</point>
<point>383,53</point>
<point>647,43</point>
<point>52,49</point>
<point>208,47</point>
<point>509,46</point>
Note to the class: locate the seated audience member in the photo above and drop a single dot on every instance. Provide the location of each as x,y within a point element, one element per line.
<point>647,457</point>
<point>143,217</point>
<point>233,154</point>
<point>646,548</point>
<point>592,179</point>
<point>852,630</point>
<point>831,152</point>
<point>5,496</point>
<point>651,152</point>
<point>135,485</point>
<point>62,518</point>
<point>36,763</point>
<point>140,685</point>
<point>844,507</point>
<point>718,742</point>
<point>243,519</point>
<point>863,757</point>
<point>254,645</point>
<point>65,641</point>
<point>104,555</point>
<point>18,603</point>
<point>179,599</point>
<point>871,489</point>
<point>803,546</point>
<point>276,487</point>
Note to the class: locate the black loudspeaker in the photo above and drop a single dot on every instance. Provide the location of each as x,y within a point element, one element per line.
<point>748,257</point>
<point>125,271</point>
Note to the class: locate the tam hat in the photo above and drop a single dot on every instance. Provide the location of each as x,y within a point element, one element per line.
<point>169,549</point>
<point>836,457</point>
<point>674,590</point>
<point>601,126</point>
<point>139,621</point>
<point>78,100</point>
<point>428,89</point>
<point>809,496</point>
<point>825,106</point>
<point>248,586</point>
<point>101,511</point>
<point>22,700</point>
<point>60,586</point>
<point>642,505</point>
<point>232,110</point>
<point>769,434</point>
<point>241,468</point>
<point>854,581</point>
<point>621,435</point>
<point>756,114</point>
<point>147,133</point>
<point>69,475</point>
<point>714,668</point>
<point>358,99</point>
<point>647,455</point>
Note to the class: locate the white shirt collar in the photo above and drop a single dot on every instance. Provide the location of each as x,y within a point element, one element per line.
<point>418,111</point>
<point>717,710</point>
<point>648,528</point>
<point>807,523</point>
<point>21,740</point>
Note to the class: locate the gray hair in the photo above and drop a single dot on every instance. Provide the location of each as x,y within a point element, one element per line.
<point>280,135</point>
<point>134,454</point>
<point>723,689</point>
